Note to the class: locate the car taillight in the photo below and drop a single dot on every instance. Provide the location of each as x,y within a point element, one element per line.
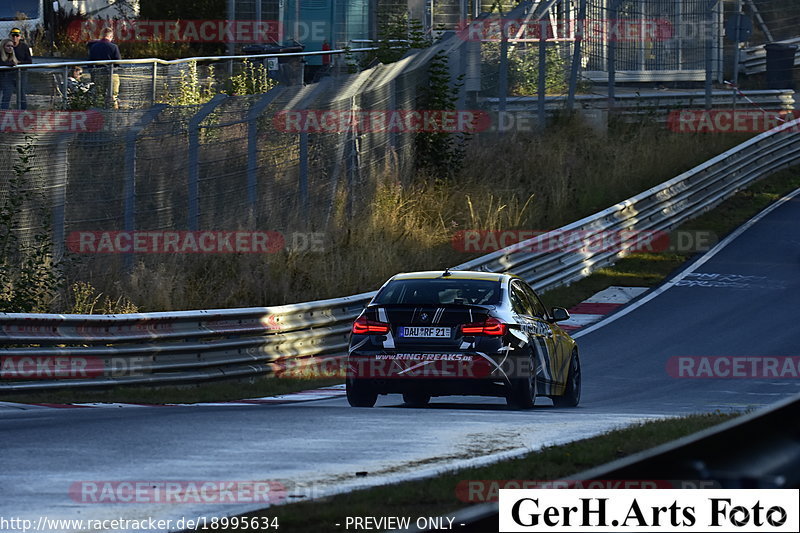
<point>491,326</point>
<point>364,326</point>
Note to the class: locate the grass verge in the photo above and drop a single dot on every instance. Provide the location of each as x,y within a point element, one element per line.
<point>394,222</point>
<point>437,496</point>
<point>203,392</point>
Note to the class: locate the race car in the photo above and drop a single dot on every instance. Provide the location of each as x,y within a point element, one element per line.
<point>428,334</point>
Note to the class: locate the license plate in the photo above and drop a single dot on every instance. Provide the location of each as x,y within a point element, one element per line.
<point>425,331</point>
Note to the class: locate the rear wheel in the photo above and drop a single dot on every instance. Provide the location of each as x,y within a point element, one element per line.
<point>522,394</point>
<point>572,395</point>
<point>359,394</point>
<point>416,399</point>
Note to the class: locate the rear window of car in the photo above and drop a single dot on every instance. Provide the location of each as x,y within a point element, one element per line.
<point>439,291</point>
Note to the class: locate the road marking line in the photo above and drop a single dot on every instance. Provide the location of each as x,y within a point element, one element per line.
<point>691,268</point>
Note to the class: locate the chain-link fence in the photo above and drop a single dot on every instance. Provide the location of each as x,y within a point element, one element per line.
<point>141,83</point>
<point>231,163</point>
<point>271,160</point>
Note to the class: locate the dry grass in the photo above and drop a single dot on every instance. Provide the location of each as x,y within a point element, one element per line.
<point>522,181</point>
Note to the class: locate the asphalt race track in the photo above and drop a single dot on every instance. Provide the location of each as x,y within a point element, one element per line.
<point>740,302</point>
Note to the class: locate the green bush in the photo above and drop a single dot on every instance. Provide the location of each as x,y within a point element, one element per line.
<point>523,70</point>
<point>30,277</point>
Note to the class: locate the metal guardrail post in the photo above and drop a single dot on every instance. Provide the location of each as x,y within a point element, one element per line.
<point>194,159</point>
<point>129,186</point>
<point>252,140</point>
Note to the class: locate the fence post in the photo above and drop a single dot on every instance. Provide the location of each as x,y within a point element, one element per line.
<point>252,141</point>
<point>612,57</point>
<point>542,71</point>
<point>393,109</point>
<point>19,88</point>
<point>352,169</point>
<point>59,194</point>
<point>64,96</point>
<point>155,81</point>
<point>709,48</point>
<point>129,186</point>
<point>110,95</point>
<point>304,96</point>
<point>502,83</point>
<point>194,159</point>
<point>576,56</point>
<point>303,174</point>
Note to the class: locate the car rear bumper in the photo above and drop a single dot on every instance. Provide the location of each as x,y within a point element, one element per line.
<point>436,373</point>
<point>435,387</point>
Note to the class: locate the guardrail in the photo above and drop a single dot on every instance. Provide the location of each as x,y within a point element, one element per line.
<point>753,60</point>
<point>193,346</point>
<point>653,103</point>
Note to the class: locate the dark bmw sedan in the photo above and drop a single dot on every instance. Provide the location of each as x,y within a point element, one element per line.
<point>427,334</point>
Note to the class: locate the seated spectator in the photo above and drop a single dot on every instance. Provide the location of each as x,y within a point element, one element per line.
<point>75,85</point>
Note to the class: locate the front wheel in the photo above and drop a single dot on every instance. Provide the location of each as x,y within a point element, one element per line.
<point>522,393</point>
<point>572,396</point>
<point>360,395</point>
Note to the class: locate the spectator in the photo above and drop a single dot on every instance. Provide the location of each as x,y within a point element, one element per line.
<point>104,50</point>
<point>7,77</point>
<point>24,55</point>
<point>75,84</point>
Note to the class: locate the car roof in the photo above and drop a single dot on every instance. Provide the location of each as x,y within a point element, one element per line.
<point>454,274</point>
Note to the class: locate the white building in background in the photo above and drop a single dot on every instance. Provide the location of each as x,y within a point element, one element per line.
<point>102,8</point>
<point>24,14</point>
<point>32,14</point>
